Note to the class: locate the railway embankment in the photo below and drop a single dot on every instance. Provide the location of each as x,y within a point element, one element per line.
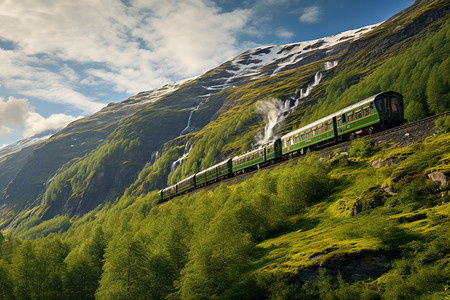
<point>401,136</point>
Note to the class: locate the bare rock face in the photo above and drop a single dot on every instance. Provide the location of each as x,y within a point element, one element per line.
<point>357,266</point>
<point>438,177</point>
<point>388,162</point>
<point>389,191</point>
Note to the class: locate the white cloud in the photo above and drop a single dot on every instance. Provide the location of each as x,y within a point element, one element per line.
<point>17,112</point>
<point>284,33</point>
<point>24,75</point>
<point>63,47</point>
<point>13,111</point>
<point>4,131</point>
<point>35,123</point>
<point>310,14</point>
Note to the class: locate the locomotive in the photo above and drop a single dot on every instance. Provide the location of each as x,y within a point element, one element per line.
<point>378,112</point>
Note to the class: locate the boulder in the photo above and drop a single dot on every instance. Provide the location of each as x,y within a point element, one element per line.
<point>438,177</point>
<point>378,163</point>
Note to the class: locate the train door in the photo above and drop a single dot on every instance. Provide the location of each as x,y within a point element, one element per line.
<point>335,129</point>
<point>388,108</point>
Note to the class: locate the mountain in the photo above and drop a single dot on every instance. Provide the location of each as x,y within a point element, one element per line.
<point>158,137</point>
<point>13,157</point>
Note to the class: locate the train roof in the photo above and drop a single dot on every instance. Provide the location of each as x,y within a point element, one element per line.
<point>339,112</point>
<point>215,166</point>
<point>187,178</point>
<point>257,149</point>
<point>168,188</point>
<point>249,152</point>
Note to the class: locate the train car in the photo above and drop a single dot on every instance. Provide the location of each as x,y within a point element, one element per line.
<point>273,151</point>
<point>168,193</point>
<point>316,134</point>
<point>381,111</point>
<point>215,173</point>
<point>186,185</point>
<point>206,176</point>
<point>224,169</point>
<point>249,160</point>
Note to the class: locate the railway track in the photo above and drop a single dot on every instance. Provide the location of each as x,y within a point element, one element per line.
<point>343,145</point>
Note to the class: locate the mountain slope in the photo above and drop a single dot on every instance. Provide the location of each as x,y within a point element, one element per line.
<point>135,146</point>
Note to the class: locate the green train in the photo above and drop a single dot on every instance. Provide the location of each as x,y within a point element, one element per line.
<point>381,111</point>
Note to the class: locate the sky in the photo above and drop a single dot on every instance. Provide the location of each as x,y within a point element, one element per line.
<point>61,60</point>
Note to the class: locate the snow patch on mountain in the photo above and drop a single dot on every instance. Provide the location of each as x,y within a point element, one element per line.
<point>24,143</point>
<point>156,94</point>
<point>252,62</point>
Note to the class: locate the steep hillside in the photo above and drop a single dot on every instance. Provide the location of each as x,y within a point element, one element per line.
<point>372,225</point>
<point>80,216</point>
<point>158,137</point>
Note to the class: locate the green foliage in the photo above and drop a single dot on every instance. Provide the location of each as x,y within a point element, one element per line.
<point>249,240</point>
<point>130,272</point>
<point>84,267</point>
<point>6,283</point>
<point>309,183</point>
<point>43,228</point>
<point>217,260</point>
<point>419,73</point>
<point>361,147</point>
<point>443,125</point>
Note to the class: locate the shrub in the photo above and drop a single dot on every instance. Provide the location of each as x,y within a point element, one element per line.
<point>442,125</point>
<point>360,147</point>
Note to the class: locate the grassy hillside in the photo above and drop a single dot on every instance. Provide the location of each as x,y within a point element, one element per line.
<point>408,54</point>
<point>307,229</point>
<point>408,72</point>
<point>85,222</point>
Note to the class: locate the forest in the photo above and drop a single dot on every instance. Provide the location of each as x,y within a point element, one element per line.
<point>314,228</point>
<point>253,240</point>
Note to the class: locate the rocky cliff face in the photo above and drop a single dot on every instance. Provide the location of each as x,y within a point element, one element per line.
<point>96,158</point>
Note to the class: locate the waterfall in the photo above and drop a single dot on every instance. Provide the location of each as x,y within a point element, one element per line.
<point>188,128</point>
<point>47,183</point>
<point>274,110</point>
<point>153,158</point>
<point>330,65</point>
<point>179,161</point>
<point>185,130</point>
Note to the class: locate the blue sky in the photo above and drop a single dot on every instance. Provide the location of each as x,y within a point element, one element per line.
<point>64,59</point>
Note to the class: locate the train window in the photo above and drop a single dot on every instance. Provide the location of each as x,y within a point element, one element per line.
<point>396,105</point>
<point>380,105</point>
<point>320,128</point>
<point>350,117</point>
<point>292,141</point>
<point>302,136</point>
<point>366,111</point>
<point>314,131</point>
<point>358,114</point>
<point>343,119</point>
